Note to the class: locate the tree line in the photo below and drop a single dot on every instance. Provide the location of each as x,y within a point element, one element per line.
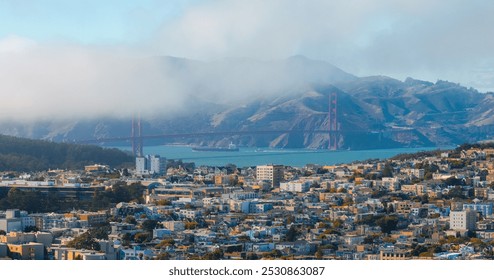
<point>25,155</point>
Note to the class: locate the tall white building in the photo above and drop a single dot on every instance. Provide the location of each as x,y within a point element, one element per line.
<point>157,164</point>
<point>150,165</point>
<point>141,165</point>
<point>463,220</point>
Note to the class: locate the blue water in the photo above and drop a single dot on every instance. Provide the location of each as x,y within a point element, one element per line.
<point>259,156</point>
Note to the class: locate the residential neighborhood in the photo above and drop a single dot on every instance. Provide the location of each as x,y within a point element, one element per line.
<point>435,205</point>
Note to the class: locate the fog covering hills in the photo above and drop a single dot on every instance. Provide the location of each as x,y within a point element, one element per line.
<point>292,94</point>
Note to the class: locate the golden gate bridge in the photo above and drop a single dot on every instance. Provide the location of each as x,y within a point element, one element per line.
<point>137,138</point>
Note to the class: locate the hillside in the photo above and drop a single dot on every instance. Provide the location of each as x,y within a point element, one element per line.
<point>293,94</point>
<point>19,154</point>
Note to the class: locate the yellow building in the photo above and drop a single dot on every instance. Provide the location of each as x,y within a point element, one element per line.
<point>96,168</point>
<point>29,251</point>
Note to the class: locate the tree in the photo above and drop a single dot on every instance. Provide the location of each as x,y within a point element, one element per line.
<point>131,220</point>
<point>348,201</point>
<point>369,239</point>
<point>164,202</point>
<point>387,223</point>
<point>292,234</point>
<point>315,185</point>
<point>142,237</point>
<point>275,254</point>
<point>337,223</point>
<point>101,231</point>
<point>453,181</point>
<point>165,243</point>
<point>31,229</point>
<point>456,192</point>
<point>319,254</point>
<point>126,238</point>
<point>149,225</point>
<point>387,170</point>
<point>290,219</point>
<point>163,256</point>
<point>252,256</point>
<point>191,225</point>
<point>217,254</point>
<point>84,241</point>
<point>390,208</point>
<point>321,170</point>
<point>419,249</point>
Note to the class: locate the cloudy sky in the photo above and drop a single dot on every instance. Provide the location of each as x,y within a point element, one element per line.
<point>78,57</point>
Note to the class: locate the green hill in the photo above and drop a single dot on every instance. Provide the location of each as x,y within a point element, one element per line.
<point>20,154</point>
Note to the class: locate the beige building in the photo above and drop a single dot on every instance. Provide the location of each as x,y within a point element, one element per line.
<point>416,189</point>
<point>91,218</point>
<point>64,253</point>
<point>463,220</point>
<point>405,207</point>
<point>174,225</point>
<point>271,173</point>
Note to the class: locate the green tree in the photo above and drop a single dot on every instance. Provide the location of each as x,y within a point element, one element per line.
<point>163,256</point>
<point>142,237</point>
<point>387,223</point>
<point>217,254</point>
<point>131,220</point>
<point>100,231</point>
<point>319,254</point>
<point>191,225</point>
<point>387,170</point>
<point>126,238</point>
<point>292,234</point>
<point>31,229</point>
<point>456,192</point>
<point>165,243</point>
<point>84,241</point>
<point>149,225</point>
<point>274,254</point>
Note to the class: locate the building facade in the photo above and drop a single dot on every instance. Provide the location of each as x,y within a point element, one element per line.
<point>463,220</point>
<point>272,173</point>
<point>150,165</point>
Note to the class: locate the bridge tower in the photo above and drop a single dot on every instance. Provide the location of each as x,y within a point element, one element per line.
<point>136,136</point>
<point>333,121</point>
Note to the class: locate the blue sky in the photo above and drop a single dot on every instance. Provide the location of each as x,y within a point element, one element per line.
<point>87,22</point>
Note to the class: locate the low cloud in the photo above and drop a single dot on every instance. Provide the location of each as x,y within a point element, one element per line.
<point>72,82</point>
<point>423,39</point>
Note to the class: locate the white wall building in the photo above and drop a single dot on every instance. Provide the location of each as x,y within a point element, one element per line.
<point>141,165</point>
<point>295,186</point>
<point>150,164</point>
<point>463,220</point>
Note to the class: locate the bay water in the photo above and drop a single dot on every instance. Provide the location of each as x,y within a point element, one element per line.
<point>260,156</point>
